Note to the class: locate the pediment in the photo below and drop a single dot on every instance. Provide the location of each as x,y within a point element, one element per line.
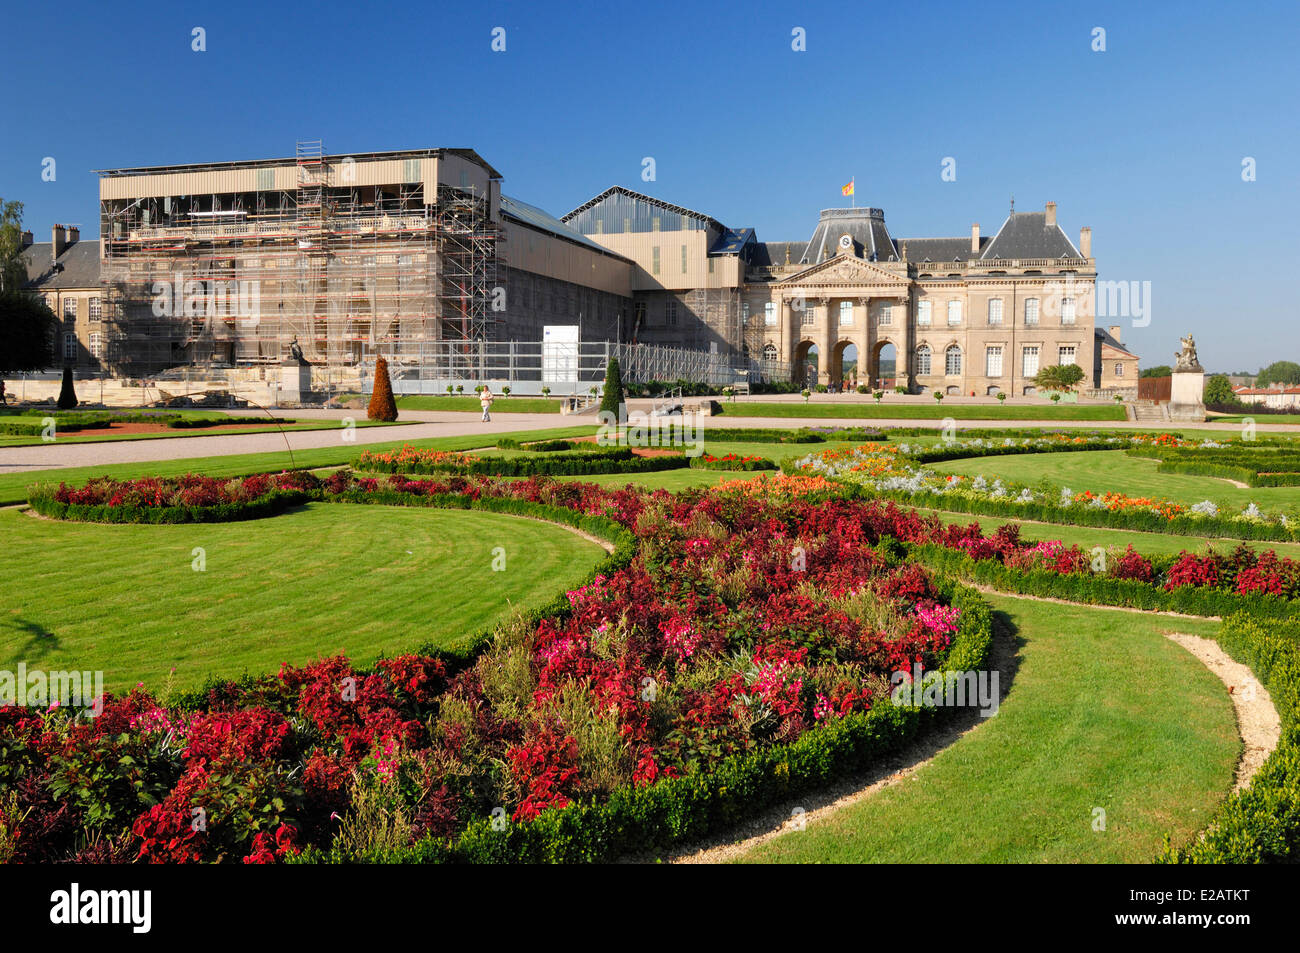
<point>844,270</point>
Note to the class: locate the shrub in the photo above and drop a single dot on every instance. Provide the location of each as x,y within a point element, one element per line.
<point>382,405</point>
<point>67,394</point>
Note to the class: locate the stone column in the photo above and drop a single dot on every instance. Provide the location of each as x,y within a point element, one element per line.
<point>907,337</point>
<point>864,338</point>
<point>786,331</point>
<point>826,342</point>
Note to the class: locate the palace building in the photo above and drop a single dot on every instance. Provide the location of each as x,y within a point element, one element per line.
<point>418,252</point>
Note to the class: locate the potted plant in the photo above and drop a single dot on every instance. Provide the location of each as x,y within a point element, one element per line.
<point>460,388</point>
<point>879,395</point>
<point>1002,397</point>
<point>1056,398</point>
<point>806,394</point>
<point>451,388</point>
<point>938,396</point>
<point>505,391</point>
<point>546,391</point>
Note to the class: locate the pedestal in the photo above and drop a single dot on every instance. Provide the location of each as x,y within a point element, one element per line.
<point>1187,397</point>
<point>295,382</point>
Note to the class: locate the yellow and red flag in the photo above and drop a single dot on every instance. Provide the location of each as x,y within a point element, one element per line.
<point>848,189</point>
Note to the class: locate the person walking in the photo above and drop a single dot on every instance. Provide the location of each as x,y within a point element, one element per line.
<point>485,399</point>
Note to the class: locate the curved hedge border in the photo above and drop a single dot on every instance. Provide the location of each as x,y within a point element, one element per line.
<point>566,463</point>
<point>683,810</point>
<point>732,466</point>
<point>277,501</point>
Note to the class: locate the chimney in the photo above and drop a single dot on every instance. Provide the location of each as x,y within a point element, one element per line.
<point>1051,214</point>
<point>975,237</point>
<point>25,239</point>
<point>1085,242</point>
<point>74,234</point>
<point>1114,330</point>
<point>60,236</point>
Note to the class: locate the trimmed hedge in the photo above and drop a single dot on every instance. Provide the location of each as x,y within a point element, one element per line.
<point>566,463</point>
<point>682,810</point>
<point>277,501</point>
<point>733,466</point>
<point>77,422</point>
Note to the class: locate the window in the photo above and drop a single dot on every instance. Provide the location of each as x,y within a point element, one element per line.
<point>1119,370</point>
<point>683,259</point>
<point>995,310</point>
<point>954,313</point>
<point>952,359</point>
<point>923,360</point>
<point>1029,362</point>
<point>1031,312</point>
<point>769,314</point>
<point>1067,311</point>
<point>809,315</point>
<point>993,362</point>
<point>94,309</point>
<point>923,314</point>
<point>654,260</point>
<point>886,314</point>
<point>710,266</point>
<point>69,309</point>
<point>846,314</point>
<point>670,312</point>
<point>1065,354</point>
<point>69,347</point>
<point>769,354</point>
<point>96,345</point>
<point>654,224</point>
<point>744,314</point>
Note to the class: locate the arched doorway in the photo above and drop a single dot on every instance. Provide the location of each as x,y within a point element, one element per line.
<point>806,364</point>
<point>884,365</point>
<point>844,364</point>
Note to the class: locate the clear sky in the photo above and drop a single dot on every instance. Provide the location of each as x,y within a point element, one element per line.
<point>1143,142</point>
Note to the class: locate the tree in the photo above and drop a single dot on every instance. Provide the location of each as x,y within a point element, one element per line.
<point>1058,377</point>
<point>382,406</point>
<point>1160,370</point>
<point>27,328</point>
<point>1218,390</point>
<point>613,396</point>
<point>13,273</point>
<point>1279,372</point>
<point>67,395</point>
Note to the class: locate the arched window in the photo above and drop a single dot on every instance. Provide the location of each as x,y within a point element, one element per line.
<point>952,359</point>
<point>769,353</point>
<point>923,360</point>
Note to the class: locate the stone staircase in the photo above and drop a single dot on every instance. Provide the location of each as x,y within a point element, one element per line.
<point>1149,411</point>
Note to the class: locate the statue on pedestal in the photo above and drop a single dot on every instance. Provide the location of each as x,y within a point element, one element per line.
<point>1186,358</point>
<point>295,352</point>
<point>1187,397</point>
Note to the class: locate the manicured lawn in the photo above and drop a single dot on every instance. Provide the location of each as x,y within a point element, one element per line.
<point>327,578</point>
<point>1104,711</point>
<point>1107,470</point>
<point>469,403</point>
<point>1258,418</point>
<point>108,436</point>
<point>13,486</point>
<point>911,411</point>
<point>1087,536</point>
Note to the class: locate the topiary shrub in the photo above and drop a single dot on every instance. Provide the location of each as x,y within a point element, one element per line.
<point>613,396</point>
<point>382,406</point>
<point>67,396</point>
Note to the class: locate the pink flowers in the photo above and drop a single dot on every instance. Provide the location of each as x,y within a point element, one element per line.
<point>940,620</point>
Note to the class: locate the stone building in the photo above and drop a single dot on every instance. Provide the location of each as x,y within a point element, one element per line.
<point>65,271</point>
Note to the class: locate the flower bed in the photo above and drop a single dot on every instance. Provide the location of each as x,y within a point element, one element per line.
<point>743,655</point>
<point>732,462</point>
<point>184,499</point>
<point>565,463</point>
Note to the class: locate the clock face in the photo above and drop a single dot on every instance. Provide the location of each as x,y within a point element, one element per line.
<point>846,241</point>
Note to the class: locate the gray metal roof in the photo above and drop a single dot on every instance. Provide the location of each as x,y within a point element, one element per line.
<point>1027,235</point>
<point>535,217</point>
<point>78,266</point>
<point>865,225</point>
<point>642,197</point>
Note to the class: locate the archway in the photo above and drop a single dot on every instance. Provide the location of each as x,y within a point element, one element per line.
<point>884,365</point>
<point>843,365</point>
<point>806,364</point>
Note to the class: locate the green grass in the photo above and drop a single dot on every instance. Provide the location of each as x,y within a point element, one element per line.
<point>469,403</point>
<point>13,486</point>
<point>1104,711</point>
<point>930,411</point>
<point>98,436</point>
<point>323,579</point>
<point>1107,470</point>
<point>1258,418</point>
<point>1087,537</point>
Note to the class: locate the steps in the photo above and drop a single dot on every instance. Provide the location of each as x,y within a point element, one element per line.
<point>1150,411</point>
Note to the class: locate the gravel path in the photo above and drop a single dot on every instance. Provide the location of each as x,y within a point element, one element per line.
<point>55,455</point>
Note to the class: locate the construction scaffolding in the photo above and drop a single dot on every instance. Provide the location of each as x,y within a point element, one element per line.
<point>232,276</point>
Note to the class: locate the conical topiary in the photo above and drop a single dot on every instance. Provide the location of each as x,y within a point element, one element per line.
<point>613,395</point>
<point>67,396</point>
<point>382,406</point>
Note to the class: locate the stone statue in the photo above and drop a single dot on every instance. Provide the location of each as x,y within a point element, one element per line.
<point>295,351</point>
<point>1186,358</point>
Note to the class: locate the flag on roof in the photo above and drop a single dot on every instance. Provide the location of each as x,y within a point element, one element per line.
<point>848,189</point>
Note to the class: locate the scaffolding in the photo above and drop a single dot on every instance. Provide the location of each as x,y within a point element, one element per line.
<point>231,278</point>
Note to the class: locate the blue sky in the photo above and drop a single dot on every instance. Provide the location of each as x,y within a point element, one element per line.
<point>1143,142</point>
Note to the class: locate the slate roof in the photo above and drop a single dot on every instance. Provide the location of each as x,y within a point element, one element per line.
<point>772,254</point>
<point>867,226</point>
<point>1027,235</point>
<point>940,249</point>
<point>1104,337</point>
<point>78,266</point>
<point>542,220</point>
